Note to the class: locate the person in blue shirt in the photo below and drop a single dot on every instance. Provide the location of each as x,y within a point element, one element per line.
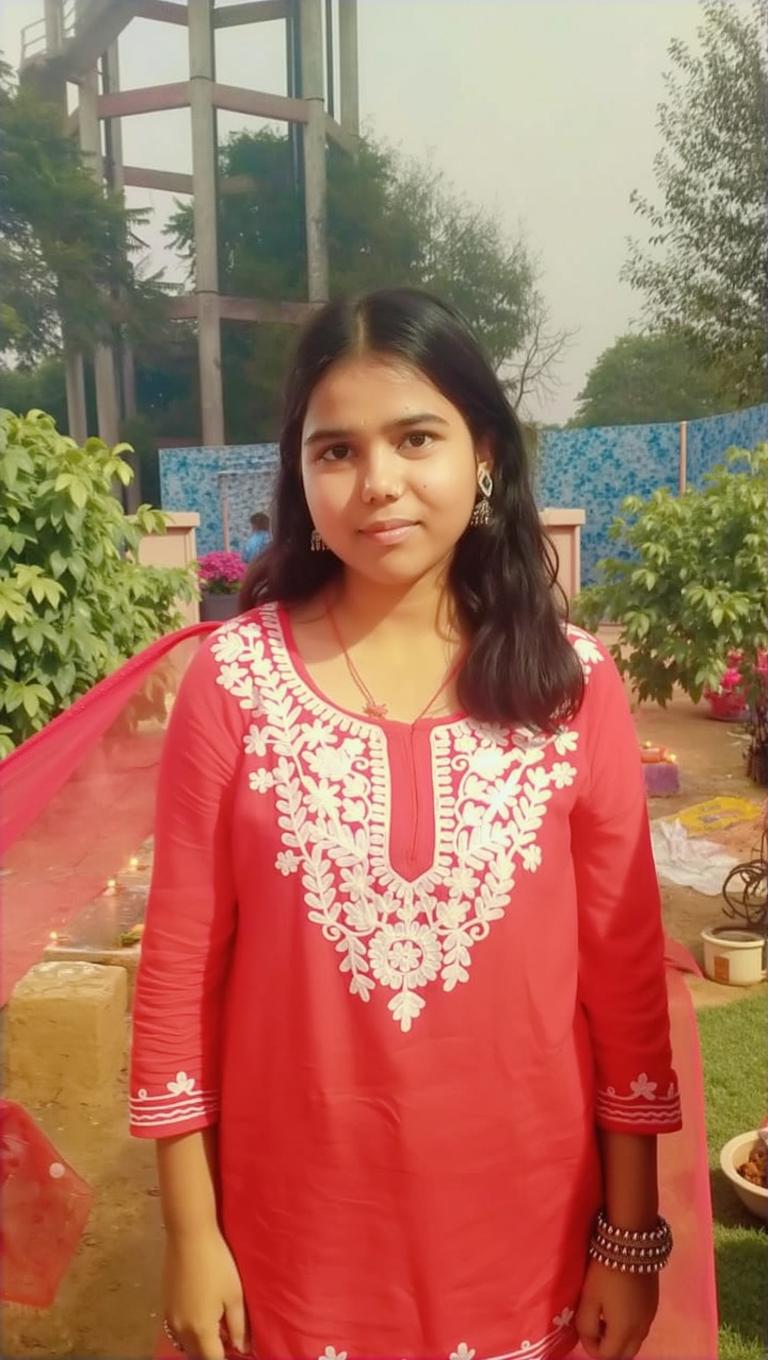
<point>259,536</point>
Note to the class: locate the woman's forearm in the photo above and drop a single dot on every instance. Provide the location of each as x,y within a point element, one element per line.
<point>187,1174</point>
<point>630,1179</point>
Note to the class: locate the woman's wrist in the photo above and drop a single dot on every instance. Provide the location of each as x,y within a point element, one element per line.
<point>630,1180</point>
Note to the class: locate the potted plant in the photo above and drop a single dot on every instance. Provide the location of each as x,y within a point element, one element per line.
<point>735,952</point>
<point>690,590</point>
<point>221,576</point>
<point>728,700</point>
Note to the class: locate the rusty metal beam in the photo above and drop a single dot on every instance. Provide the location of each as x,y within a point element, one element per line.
<point>150,99</point>
<point>235,99</point>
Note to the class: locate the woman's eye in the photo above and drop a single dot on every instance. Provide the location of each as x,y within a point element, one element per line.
<point>418,439</point>
<point>335,454</point>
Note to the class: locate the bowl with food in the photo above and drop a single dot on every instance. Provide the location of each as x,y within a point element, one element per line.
<point>744,1161</point>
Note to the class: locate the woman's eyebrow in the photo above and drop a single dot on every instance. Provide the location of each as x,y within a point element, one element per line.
<point>423,418</point>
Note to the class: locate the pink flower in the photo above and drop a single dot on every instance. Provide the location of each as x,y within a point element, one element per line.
<point>221,572</point>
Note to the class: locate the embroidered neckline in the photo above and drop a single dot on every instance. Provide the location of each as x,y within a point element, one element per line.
<point>331,780</point>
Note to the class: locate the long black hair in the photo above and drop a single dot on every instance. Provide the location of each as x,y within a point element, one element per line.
<point>520,667</point>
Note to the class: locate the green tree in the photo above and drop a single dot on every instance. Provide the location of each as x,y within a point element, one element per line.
<point>66,245</point>
<point>390,222</point>
<point>705,268</point>
<point>42,388</point>
<point>641,379</point>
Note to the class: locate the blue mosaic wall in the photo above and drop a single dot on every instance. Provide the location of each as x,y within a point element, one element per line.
<point>709,440</point>
<point>205,479</point>
<point>595,469</point>
<point>592,469</point>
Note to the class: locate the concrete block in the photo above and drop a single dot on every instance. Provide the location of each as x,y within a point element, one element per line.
<point>65,1036</point>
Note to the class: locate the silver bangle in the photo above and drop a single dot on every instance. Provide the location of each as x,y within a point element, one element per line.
<point>630,1250</point>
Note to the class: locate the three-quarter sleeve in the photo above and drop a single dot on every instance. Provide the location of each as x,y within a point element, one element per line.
<point>622,983</point>
<point>191,913</point>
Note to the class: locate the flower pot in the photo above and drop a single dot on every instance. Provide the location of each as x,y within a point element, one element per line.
<point>734,955</point>
<point>727,707</point>
<point>735,1154</point>
<point>216,608</point>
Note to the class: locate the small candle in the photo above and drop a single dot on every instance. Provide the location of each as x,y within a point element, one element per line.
<point>53,937</point>
<point>133,862</point>
<point>110,888</point>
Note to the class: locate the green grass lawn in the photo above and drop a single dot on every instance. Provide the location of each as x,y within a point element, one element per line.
<point>733,1042</point>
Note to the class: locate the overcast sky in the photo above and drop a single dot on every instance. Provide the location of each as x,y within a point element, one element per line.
<point>542,109</point>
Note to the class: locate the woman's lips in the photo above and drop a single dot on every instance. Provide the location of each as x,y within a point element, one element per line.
<point>389,533</point>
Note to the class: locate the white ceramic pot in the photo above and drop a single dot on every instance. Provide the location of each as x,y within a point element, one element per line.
<point>736,1153</point>
<point>734,955</point>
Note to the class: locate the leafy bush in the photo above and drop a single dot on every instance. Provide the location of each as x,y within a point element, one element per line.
<point>694,587</point>
<point>74,602</point>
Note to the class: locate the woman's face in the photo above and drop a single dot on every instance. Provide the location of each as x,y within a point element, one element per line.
<point>389,469</point>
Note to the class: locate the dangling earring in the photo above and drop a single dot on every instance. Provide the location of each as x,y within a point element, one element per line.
<point>481,513</point>
<point>316,543</point>
<point>485,482</point>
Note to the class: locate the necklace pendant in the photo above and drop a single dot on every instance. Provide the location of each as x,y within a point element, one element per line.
<point>374,710</point>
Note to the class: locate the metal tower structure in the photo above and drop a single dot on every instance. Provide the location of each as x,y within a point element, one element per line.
<point>77,43</point>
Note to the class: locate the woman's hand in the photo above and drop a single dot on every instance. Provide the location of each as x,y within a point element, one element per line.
<point>201,1291</point>
<point>615,1312</point>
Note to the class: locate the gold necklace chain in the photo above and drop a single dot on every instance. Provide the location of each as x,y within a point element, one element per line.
<point>372,708</point>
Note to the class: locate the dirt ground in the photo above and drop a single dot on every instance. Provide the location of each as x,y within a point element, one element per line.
<point>109,1305</point>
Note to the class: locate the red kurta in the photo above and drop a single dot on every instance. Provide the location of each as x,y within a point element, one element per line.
<point>408,970</point>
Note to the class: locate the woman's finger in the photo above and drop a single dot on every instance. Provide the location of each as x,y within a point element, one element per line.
<point>589,1326</point>
<point>616,1341</point>
<point>234,1317</point>
<point>632,1346</point>
<point>206,1345</point>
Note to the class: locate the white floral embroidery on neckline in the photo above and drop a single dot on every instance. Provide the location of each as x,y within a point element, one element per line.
<point>332,787</point>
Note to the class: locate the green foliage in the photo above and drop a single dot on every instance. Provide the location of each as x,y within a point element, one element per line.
<point>39,389</point>
<point>74,603</point>
<point>65,244</point>
<point>390,222</point>
<point>707,267</point>
<point>694,583</point>
<point>642,379</point>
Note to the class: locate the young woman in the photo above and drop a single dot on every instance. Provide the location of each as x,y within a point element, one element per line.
<point>401,1025</point>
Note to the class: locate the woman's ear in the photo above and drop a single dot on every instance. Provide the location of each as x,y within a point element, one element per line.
<point>484,454</point>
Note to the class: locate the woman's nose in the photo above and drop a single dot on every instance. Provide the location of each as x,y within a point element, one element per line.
<point>381,477</point>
